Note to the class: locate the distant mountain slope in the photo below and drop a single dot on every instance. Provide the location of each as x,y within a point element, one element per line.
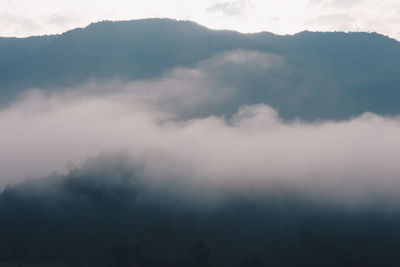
<point>326,75</point>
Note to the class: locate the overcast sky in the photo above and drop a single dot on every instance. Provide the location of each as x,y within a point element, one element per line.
<point>26,17</point>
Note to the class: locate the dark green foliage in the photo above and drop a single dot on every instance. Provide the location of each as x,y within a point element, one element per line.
<point>125,256</point>
<point>200,255</point>
<point>93,224</point>
<point>254,260</point>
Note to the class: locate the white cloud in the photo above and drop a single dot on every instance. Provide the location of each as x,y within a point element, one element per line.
<point>229,8</point>
<point>352,162</point>
<point>356,15</point>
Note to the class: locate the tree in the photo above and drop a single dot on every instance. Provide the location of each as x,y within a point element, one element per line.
<point>200,254</point>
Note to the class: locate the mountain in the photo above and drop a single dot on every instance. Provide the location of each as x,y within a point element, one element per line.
<point>331,75</point>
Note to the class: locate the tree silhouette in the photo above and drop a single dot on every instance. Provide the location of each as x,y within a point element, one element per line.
<point>126,256</point>
<point>254,260</point>
<point>200,254</point>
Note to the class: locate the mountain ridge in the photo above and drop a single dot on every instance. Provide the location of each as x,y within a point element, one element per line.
<point>359,68</point>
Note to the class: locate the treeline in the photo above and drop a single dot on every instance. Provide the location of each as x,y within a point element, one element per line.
<point>107,216</point>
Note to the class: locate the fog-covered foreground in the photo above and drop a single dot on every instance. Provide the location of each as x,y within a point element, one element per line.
<point>107,214</point>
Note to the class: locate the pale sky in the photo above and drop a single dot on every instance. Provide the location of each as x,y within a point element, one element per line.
<point>26,17</point>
